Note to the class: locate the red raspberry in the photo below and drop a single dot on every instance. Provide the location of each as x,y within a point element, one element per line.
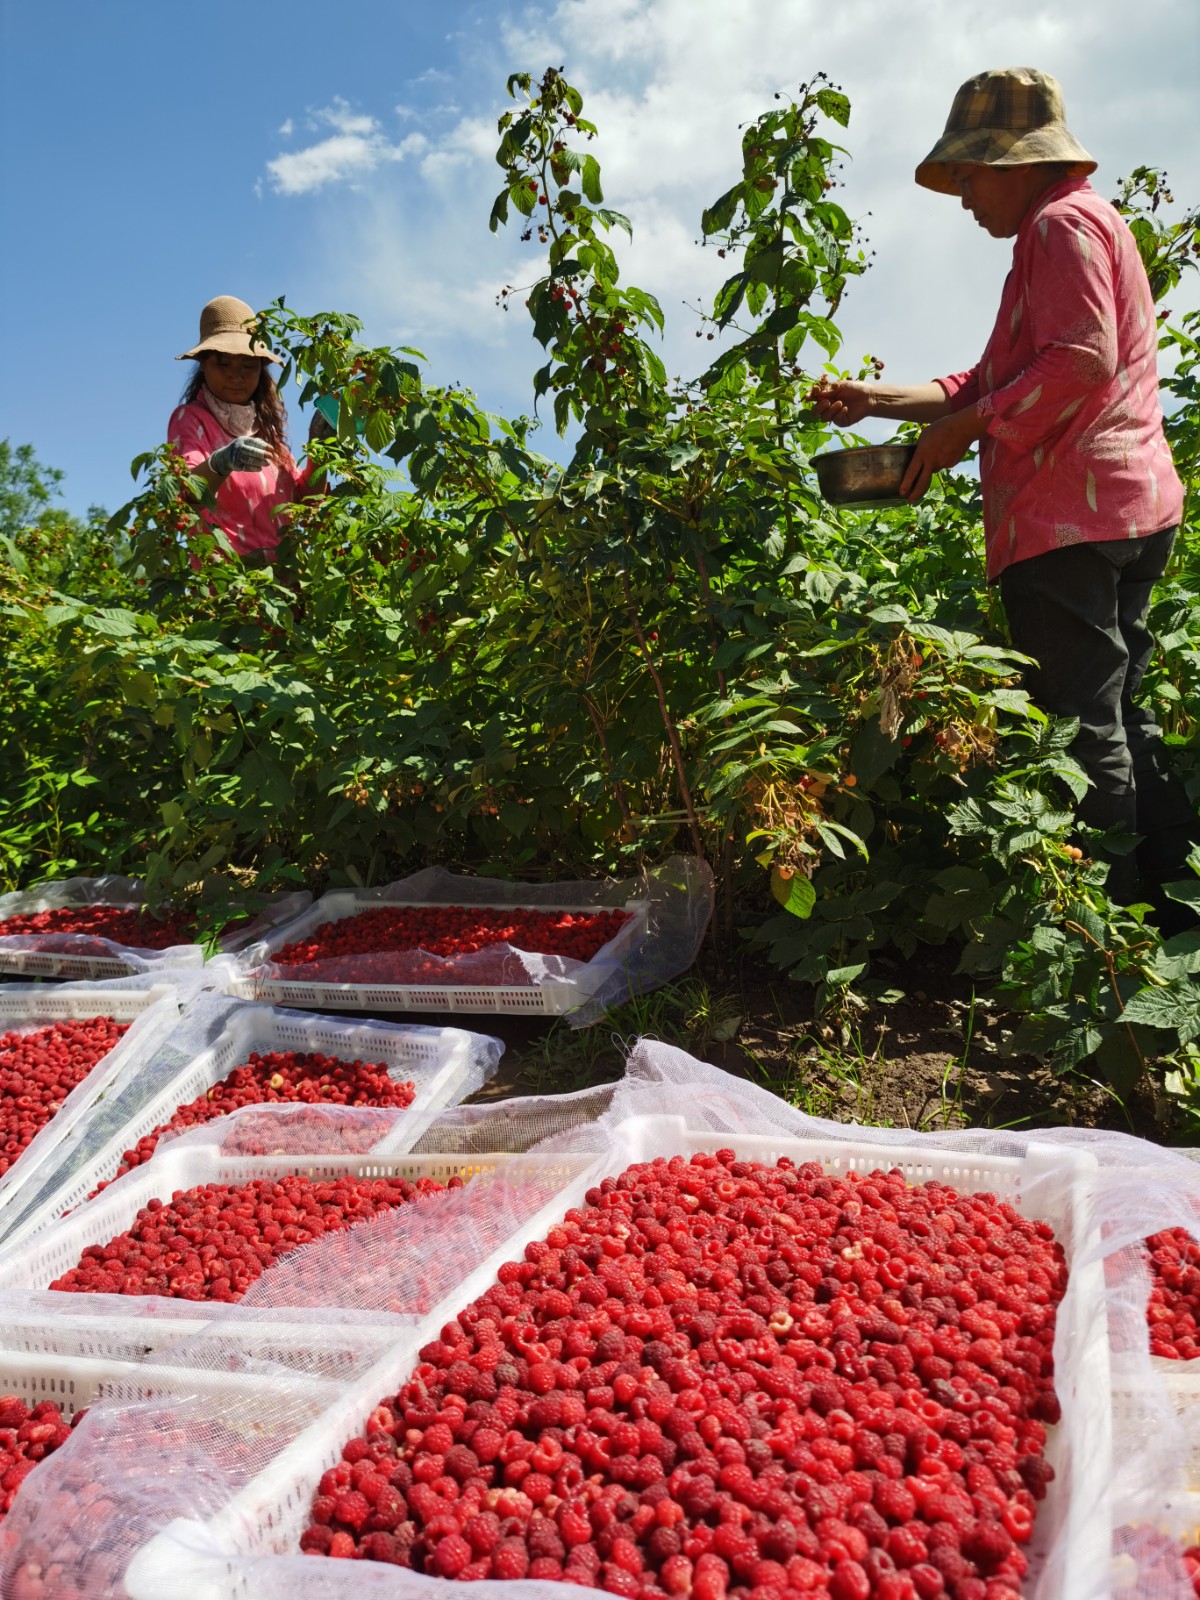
<point>849,1582</point>
<point>483,1532</point>
<point>510,1559</point>
<point>353,1508</point>
<point>906,1546</point>
<point>450,1556</point>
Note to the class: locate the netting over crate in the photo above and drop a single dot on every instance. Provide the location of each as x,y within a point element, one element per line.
<point>194,1520</point>
<point>662,918</point>
<point>146,1006</point>
<point>64,954</point>
<point>216,1034</point>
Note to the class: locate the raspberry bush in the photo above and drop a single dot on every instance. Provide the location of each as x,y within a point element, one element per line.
<point>720,1378</point>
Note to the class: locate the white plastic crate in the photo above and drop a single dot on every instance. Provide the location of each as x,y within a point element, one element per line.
<point>1135,1402</point>
<point>552,996</point>
<point>118,961</point>
<point>74,1382</point>
<point>33,1263</point>
<point>150,1013</point>
<point>437,1061</point>
<point>227,1343</point>
<point>270,1513</point>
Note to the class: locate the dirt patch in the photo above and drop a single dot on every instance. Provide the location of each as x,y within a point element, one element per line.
<point>933,1053</point>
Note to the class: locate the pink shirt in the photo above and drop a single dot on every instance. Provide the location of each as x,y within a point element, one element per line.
<point>1074,450</point>
<point>246,501</point>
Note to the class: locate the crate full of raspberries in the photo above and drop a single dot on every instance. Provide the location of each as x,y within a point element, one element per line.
<point>356,950</point>
<point>731,1366</point>
<point>45,1395</point>
<point>195,1228</point>
<point>102,928</point>
<point>61,1050</point>
<point>268,1056</point>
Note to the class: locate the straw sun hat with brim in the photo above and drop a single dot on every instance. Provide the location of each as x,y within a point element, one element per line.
<point>224,328</point>
<point>1011,117</point>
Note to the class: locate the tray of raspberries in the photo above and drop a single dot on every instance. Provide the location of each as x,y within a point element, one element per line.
<point>45,1395</point>
<point>267,1056</point>
<point>353,949</point>
<point>101,928</point>
<point>732,1367</point>
<point>200,1226</point>
<point>60,1051</point>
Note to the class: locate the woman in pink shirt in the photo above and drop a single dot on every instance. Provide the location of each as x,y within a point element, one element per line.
<point>1081,501</point>
<point>230,429</point>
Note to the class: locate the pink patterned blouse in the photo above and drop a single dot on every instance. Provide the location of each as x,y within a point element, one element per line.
<point>1074,450</point>
<point>246,501</point>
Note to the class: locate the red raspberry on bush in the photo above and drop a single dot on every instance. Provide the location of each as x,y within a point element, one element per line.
<point>214,1241</point>
<point>38,1070</point>
<point>1173,1311</point>
<point>280,1077</point>
<point>727,1380</point>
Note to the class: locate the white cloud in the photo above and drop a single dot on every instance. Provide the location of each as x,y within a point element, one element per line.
<point>356,147</point>
<point>670,83</point>
<point>286,129</point>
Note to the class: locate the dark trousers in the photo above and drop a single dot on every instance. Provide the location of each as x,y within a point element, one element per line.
<point>1081,613</point>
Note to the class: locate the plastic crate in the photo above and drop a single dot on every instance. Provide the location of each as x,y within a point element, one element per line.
<point>32,1264</point>
<point>552,996</point>
<point>150,1012</point>
<point>226,1343</point>
<point>62,964</point>
<point>436,1060</point>
<point>270,1513</point>
<point>76,1382</point>
<point>1136,1401</point>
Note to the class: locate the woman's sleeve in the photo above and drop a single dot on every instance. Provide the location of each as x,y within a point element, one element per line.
<point>1069,298</point>
<point>962,388</point>
<point>187,432</point>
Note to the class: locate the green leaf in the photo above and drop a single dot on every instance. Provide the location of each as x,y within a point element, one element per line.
<point>838,976</point>
<point>835,105</point>
<point>380,431</point>
<point>1176,1006</point>
<point>590,180</point>
<point>794,892</point>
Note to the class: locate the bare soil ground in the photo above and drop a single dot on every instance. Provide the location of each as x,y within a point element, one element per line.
<point>938,1057</point>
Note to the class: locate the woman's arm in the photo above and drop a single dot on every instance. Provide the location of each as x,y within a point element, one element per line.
<point>188,434</point>
<point>846,403</point>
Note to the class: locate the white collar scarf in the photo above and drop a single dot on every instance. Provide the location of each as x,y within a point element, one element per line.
<point>236,420</point>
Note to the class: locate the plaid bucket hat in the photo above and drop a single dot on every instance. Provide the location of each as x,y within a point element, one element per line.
<point>224,327</point>
<point>1010,117</point>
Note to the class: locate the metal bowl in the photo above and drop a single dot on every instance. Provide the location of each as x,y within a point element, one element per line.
<point>865,478</point>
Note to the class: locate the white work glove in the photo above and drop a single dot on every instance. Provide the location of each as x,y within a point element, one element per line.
<point>246,454</point>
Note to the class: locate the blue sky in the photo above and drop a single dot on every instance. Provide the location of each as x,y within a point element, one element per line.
<point>153,155</point>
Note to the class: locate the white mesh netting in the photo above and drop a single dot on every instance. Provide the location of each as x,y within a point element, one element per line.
<point>77,952</point>
<point>670,910</point>
<point>206,1489</point>
<point>147,1004</point>
<point>217,1033</point>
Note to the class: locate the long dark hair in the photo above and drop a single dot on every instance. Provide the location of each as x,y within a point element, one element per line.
<point>271,419</point>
